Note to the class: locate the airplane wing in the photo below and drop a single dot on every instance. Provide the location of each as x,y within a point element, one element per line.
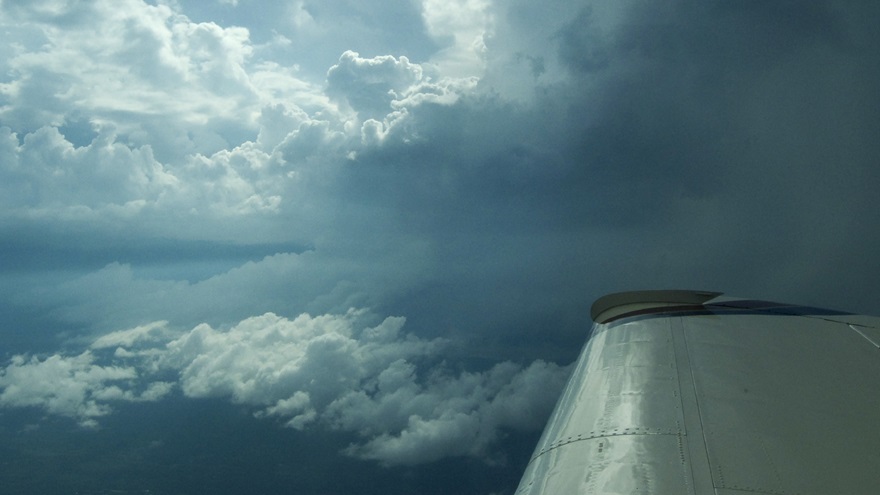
<point>682,392</point>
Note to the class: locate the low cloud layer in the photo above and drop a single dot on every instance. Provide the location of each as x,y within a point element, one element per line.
<point>330,371</point>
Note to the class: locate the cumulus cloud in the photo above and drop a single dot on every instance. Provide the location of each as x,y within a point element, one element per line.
<point>406,421</point>
<point>387,386</point>
<point>146,60</point>
<point>370,84</point>
<point>72,386</point>
<point>106,181</point>
<point>47,170</point>
<point>152,115</point>
<point>331,369</point>
<point>174,122</point>
<point>385,91</point>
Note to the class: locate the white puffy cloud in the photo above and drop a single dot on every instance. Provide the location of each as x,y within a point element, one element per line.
<point>369,85</point>
<point>239,181</point>
<point>161,124</point>
<point>106,181</point>
<point>331,369</point>
<point>289,365</point>
<point>335,370</point>
<point>131,57</point>
<point>384,92</point>
<point>148,78</point>
<point>47,171</point>
<point>72,386</point>
<point>120,109</point>
<point>180,123</point>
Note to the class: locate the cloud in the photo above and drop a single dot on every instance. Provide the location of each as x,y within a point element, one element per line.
<point>460,28</point>
<point>385,91</point>
<point>577,178</point>
<point>107,182</point>
<point>127,338</point>
<point>369,85</point>
<point>72,386</point>
<point>388,387</point>
<point>192,165</point>
<point>47,172</point>
<point>329,369</point>
<point>157,111</point>
<point>370,380</point>
<point>484,168</point>
<point>146,73</point>
<point>407,422</point>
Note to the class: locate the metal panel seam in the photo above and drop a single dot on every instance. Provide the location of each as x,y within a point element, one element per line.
<point>869,339</point>
<point>615,433</point>
<point>695,434</point>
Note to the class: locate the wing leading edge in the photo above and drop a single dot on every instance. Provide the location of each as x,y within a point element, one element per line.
<point>697,393</point>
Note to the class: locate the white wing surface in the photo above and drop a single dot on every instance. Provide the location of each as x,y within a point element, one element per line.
<point>681,392</point>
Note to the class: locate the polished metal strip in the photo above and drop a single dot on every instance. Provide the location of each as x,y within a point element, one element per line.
<point>869,339</point>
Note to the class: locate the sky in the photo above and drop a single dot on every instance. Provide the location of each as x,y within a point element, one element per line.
<point>347,246</point>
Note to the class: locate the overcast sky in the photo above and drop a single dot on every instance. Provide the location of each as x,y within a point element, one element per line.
<point>348,246</point>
